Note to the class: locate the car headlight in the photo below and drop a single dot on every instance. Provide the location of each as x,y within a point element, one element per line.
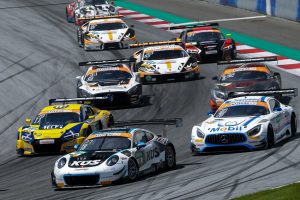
<point>218,94</point>
<point>254,130</point>
<point>200,134</point>
<point>112,160</point>
<point>61,163</point>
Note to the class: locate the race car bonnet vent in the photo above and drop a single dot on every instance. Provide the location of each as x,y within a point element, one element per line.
<point>154,43</point>
<point>287,92</point>
<point>174,121</point>
<point>105,62</point>
<point>100,17</point>
<point>250,60</point>
<point>88,100</point>
<point>190,25</point>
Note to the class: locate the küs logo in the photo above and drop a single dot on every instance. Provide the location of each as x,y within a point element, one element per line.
<point>86,163</point>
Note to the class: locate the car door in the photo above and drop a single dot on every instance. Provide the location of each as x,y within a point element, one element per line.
<point>145,154</point>
<point>277,118</point>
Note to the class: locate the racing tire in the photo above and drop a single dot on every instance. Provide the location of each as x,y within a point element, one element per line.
<point>293,125</point>
<point>111,120</point>
<point>197,76</point>
<point>87,132</point>
<point>100,126</point>
<point>170,157</point>
<point>133,170</point>
<point>270,137</point>
<point>53,180</point>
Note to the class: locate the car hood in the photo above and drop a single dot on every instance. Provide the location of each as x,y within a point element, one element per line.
<point>110,36</point>
<point>168,66</point>
<point>229,125</point>
<point>81,159</point>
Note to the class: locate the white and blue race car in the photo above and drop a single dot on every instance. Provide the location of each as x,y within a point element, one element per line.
<point>114,154</point>
<point>246,123</point>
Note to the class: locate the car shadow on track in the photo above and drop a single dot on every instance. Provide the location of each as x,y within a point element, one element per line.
<point>175,81</point>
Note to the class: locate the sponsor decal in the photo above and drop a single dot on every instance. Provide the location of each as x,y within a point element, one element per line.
<point>86,163</point>
<point>226,129</point>
<point>53,127</point>
<point>244,69</point>
<point>60,106</point>
<point>153,153</point>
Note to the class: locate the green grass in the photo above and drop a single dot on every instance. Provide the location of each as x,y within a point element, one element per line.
<point>289,192</point>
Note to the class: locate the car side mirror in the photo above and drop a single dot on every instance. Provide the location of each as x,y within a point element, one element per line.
<point>78,77</point>
<point>27,121</point>
<point>210,113</point>
<point>228,35</point>
<point>132,26</point>
<point>215,78</point>
<point>76,147</point>
<point>141,145</point>
<point>276,74</point>
<point>277,109</point>
<point>91,117</point>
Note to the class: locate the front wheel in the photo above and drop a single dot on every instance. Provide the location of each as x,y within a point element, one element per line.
<point>293,125</point>
<point>133,170</point>
<point>270,137</point>
<point>170,159</point>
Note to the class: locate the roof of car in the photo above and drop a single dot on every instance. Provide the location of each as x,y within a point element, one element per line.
<point>119,67</point>
<point>113,132</point>
<point>247,67</point>
<point>246,100</point>
<point>103,21</point>
<point>59,108</point>
<point>163,47</point>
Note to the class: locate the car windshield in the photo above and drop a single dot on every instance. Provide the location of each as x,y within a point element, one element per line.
<point>95,2</point>
<point>244,75</point>
<point>204,36</point>
<point>56,120</point>
<point>166,54</point>
<point>107,26</point>
<point>106,143</point>
<point>109,75</point>
<point>241,111</point>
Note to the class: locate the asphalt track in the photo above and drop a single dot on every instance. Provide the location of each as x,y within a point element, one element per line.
<point>38,61</point>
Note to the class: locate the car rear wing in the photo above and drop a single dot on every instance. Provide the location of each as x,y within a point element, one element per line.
<point>100,17</point>
<point>154,43</point>
<point>248,60</point>
<point>166,122</point>
<point>107,62</point>
<point>191,25</point>
<point>88,100</point>
<point>288,92</point>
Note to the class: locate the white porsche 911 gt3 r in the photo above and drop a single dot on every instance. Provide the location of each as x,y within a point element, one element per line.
<point>110,77</point>
<point>245,123</point>
<point>113,154</point>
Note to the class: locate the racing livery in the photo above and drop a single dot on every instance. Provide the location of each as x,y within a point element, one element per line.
<point>164,61</point>
<point>78,11</point>
<point>110,155</point>
<point>205,41</point>
<point>104,33</point>
<point>244,75</point>
<point>57,128</point>
<point>110,77</point>
<point>246,123</point>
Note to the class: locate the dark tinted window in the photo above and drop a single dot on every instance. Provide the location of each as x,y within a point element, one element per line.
<point>106,144</point>
<point>166,54</point>
<point>94,2</point>
<point>244,75</point>
<point>109,75</point>
<point>204,36</point>
<point>241,111</point>
<point>107,26</point>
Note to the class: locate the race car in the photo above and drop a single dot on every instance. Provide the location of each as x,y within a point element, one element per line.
<point>164,62</point>
<point>206,42</point>
<point>246,123</point>
<point>115,154</point>
<point>104,33</point>
<point>110,77</point>
<point>77,11</point>
<point>244,75</point>
<point>61,125</point>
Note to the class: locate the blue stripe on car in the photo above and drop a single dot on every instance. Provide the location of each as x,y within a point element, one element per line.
<point>250,120</point>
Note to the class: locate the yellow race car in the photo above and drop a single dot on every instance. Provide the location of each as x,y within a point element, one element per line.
<point>58,127</point>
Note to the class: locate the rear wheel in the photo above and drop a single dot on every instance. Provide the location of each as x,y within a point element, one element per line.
<point>133,170</point>
<point>293,125</point>
<point>270,137</point>
<point>170,159</point>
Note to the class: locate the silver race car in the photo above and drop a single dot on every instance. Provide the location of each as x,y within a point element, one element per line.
<point>244,75</point>
<point>110,77</point>
<point>114,154</point>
